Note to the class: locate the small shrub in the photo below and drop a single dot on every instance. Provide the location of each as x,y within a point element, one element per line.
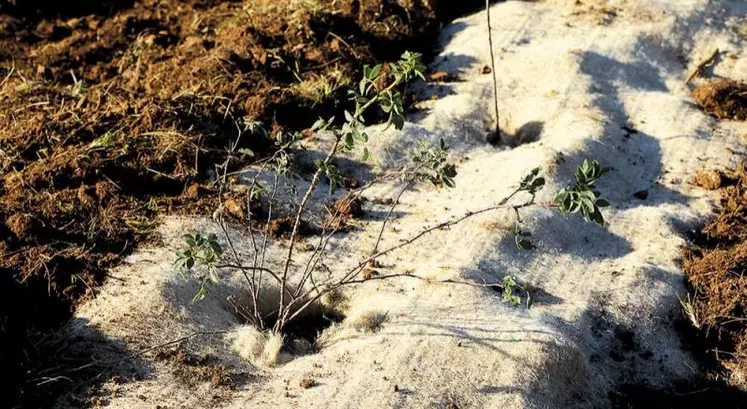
<point>300,286</point>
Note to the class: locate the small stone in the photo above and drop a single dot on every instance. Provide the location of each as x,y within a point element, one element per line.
<point>307,383</point>
<point>486,70</point>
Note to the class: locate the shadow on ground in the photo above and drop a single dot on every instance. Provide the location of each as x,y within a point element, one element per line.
<point>43,360</point>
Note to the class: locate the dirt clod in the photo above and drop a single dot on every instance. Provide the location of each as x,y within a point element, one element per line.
<point>19,225</point>
<point>709,179</point>
<point>724,99</point>
<point>236,207</point>
<point>282,228</point>
<point>194,369</point>
<point>368,273</point>
<point>441,76</point>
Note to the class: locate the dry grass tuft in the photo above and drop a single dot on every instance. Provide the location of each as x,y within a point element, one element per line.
<point>370,321</point>
<point>260,348</point>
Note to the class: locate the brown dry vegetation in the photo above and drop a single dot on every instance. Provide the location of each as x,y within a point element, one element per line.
<point>109,119</point>
<point>715,267</point>
<point>116,112</point>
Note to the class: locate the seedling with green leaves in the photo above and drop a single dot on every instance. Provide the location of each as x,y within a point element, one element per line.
<point>202,251</point>
<point>583,196</point>
<point>431,164</point>
<point>512,292</point>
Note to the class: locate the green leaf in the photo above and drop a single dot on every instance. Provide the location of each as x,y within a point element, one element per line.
<point>201,293</point>
<point>375,71</point>
<point>597,217</point>
<point>398,121</point>
<point>349,140</point>
<point>450,171</point>
<point>603,203</point>
<point>443,145</point>
<point>319,124</point>
<point>449,182</point>
<point>538,184</point>
<point>216,247</point>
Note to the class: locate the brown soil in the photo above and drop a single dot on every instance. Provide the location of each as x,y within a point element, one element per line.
<point>342,211</point>
<point>282,227</point>
<point>715,266</point>
<point>724,99</point>
<point>194,369</point>
<point>119,111</point>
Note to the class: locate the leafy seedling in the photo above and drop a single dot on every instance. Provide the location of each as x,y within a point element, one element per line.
<point>201,251</point>
<point>583,196</point>
<point>512,292</point>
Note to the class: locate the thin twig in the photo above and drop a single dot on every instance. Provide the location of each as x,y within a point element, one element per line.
<point>702,66</point>
<point>407,187</point>
<point>495,74</point>
<point>266,235</point>
<point>498,286</point>
<point>439,226</point>
<point>253,268</point>
<point>325,236</point>
<point>282,310</point>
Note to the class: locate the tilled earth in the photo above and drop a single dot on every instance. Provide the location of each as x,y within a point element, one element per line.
<point>715,267</point>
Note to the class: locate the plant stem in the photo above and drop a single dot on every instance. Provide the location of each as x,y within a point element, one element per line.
<point>282,313</point>
<point>495,75</point>
<point>294,235</point>
<point>407,187</point>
